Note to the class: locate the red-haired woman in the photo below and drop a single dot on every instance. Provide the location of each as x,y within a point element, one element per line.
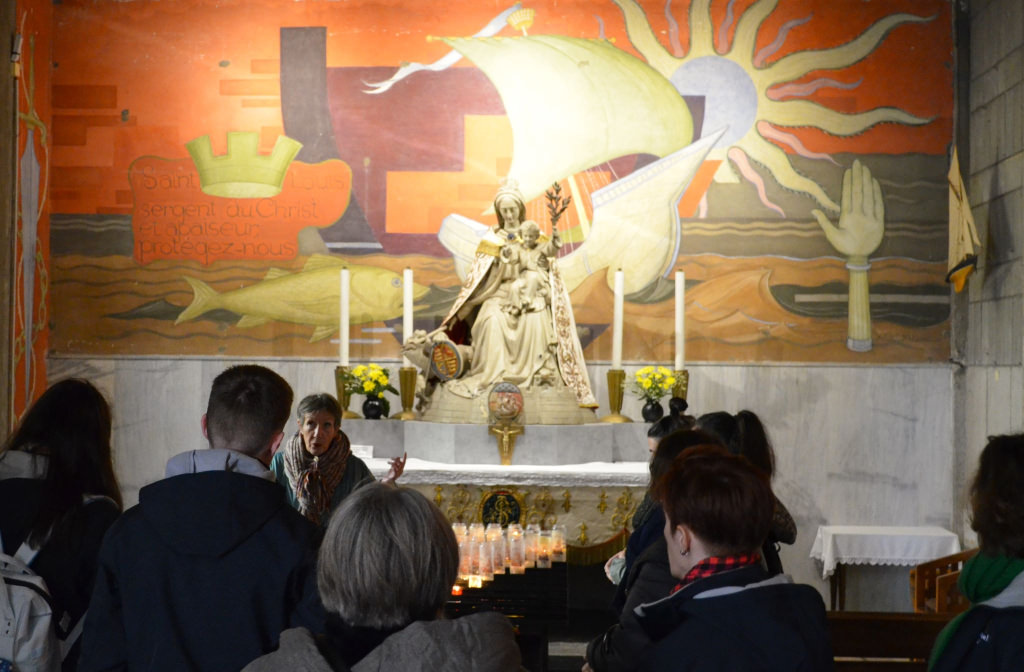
<point>727,613</point>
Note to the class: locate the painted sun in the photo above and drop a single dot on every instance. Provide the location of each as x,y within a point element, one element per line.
<point>757,100</point>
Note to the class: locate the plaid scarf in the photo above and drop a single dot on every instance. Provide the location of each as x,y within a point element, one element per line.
<point>314,479</point>
<point>715,564</point>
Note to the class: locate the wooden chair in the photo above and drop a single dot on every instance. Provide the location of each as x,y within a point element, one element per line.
<point>864,641</point>
<point>933,584</point>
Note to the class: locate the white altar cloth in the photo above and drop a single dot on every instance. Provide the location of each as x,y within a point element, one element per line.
<point>590,474</point>
<point>880,545</point>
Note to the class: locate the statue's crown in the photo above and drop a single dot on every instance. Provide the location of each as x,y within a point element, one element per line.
<point>509,187</point>
<point>243,172</point>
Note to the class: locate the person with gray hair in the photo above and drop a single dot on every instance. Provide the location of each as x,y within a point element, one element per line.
<point>386,568</point>
<point>212,564</point>
<point>316,466</point>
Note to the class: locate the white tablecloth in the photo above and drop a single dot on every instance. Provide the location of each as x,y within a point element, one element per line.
<point>591,474</point>
<point>880,545</point>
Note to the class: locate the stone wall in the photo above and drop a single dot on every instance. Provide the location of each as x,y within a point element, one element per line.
<point>854,445</point>
<point>988,323</point>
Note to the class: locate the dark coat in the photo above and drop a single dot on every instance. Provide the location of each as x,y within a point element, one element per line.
<point>767,625</point>
<point>986,639</point>
<point>649,580</point>
<point>203,574</point>
<point>648,527</point>
<point>67,562</point>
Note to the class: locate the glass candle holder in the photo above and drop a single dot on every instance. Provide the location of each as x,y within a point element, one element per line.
<point>493,531</point>
<point>465,559</point>
<point>558,533</point>
<point>516,554</point>
<point>500,554</point>
<point>530,537</point>
<point>544,550</point>
<point>461,531</point>
<point>485,551</point>
<point>477,532</point>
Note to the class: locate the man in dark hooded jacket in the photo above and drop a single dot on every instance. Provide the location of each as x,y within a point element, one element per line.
<point>212,564</point>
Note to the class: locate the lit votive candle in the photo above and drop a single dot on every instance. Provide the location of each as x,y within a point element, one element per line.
<point>544,550</point>
<point>558,543</point>
<point>477,532</point>
<point>516,554</point>
<point>530,539</point>
<point>486,552</point>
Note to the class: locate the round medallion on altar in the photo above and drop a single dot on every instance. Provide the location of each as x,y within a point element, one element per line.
<point>505,402</point>
<point>502,507</point>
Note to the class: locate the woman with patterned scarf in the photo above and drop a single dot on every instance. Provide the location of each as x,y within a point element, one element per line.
<point>727,612</point>
<point>316,466</point>
<point>988,635</point>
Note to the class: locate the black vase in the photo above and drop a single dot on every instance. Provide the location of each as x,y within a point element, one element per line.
<point>652,411</point>
<point>373,408</point>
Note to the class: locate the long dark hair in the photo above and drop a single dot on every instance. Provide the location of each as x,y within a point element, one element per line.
<point>70,423</point>
<point>743,434</point>
<point>672,446</point>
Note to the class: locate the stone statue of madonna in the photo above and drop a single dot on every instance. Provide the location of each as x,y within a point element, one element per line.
<point>514,314</point>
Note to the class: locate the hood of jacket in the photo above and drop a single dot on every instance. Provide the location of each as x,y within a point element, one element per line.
<point>211,502</point>
<point>1011,596</point>
<point>22,464</point>
<point>767,618</point>
<point>482,642</point>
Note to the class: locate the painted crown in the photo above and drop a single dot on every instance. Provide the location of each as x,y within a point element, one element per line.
<point>243,172</point>
<point>521,19</point>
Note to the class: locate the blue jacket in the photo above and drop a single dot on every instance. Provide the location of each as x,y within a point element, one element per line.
<point>989,636</point>
<point>203,574</point>
<point>738,620</point>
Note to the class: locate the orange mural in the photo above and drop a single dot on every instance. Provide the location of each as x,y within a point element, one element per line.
<point>407,126</point>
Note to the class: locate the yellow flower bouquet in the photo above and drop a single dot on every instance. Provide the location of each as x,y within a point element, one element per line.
<point>651,383</point>
<point>371,380</point>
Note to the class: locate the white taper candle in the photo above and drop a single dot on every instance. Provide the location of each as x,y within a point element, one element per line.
<point>406,310</point>
<point>680,320</point>
<point>617,321</point>
<point>343,318</point>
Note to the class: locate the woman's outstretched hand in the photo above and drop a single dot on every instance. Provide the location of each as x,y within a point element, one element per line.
<point>397,468</point>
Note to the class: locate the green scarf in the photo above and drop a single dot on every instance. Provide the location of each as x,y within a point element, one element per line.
<point>982,578</point>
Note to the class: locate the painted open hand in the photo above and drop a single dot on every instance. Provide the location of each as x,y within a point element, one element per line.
<point>861,215</point>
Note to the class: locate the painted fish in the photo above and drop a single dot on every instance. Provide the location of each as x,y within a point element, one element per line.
<point>310,296</point>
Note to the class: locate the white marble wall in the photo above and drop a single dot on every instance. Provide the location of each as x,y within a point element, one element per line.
<point>856,445</point>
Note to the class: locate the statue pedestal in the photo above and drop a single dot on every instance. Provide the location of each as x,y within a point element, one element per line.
<point>541,406</point>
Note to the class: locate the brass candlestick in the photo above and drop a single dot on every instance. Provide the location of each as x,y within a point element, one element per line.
<point>407,391</point>
<point>682,384</point>
<point>616,378</point>
<point>340,383</point>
